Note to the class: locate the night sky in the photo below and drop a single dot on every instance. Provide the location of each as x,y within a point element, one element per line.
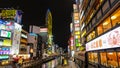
<point>34,12</point>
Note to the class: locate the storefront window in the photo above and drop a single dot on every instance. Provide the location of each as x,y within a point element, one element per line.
<point>99,3</point>
<point>90,57</point>
<point>118,54</point>
<point>103,58</point>
<point>99,29</point>
<point>112,59</point>
<point>93,34</point>
<point>115,17</point>
<point>106,24</point>
<point>88,38</point>
<point>95,57</point>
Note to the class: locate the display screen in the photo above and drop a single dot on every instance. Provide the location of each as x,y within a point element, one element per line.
<point>5,34</point>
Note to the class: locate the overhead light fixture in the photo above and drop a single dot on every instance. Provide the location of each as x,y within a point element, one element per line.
<point>113,17</point>
<point>105,23</point>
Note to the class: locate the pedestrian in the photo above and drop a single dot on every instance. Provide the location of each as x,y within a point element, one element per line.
<point>20,61</point>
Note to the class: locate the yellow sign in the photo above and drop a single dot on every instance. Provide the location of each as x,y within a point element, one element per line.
<point>83,33</point>
<point>7,42</point>
<point>8,13</point>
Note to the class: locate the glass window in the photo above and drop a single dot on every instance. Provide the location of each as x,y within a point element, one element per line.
<point>112,59</point>
<point>106,24</point>
<point>95,57</point>
<point>118,54</point>
<point>87,38</point>
<point>103,58</point>
<point>93,34</point>
<point>99,29</point>
<point>90,57</point>
<point>115,17</point>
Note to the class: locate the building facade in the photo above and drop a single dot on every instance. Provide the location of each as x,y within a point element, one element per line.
<point>99,23</point>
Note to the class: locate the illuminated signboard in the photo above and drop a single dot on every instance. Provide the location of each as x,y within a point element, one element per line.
<point>108,40</point>
<point>71,41</point>
<point>5,34</point>
<point>4,56</point>
<point>4,51</point>
<point>8,13</point>
<point>77,28</point>
<point>77,42</point>
<point>23,35</point>
<point>43,29</point>
<point>1,42</point>
<point>71,27</point>
<point>7,42</point>
<point>16,38</point>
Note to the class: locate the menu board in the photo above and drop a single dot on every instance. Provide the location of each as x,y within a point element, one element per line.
<point>108,40</point>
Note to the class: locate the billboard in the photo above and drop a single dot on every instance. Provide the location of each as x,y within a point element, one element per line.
<point>108,40</point>
<point>16,38</point>
<point>8,13</point>
<point>11,14</point>
<point>6,34</point>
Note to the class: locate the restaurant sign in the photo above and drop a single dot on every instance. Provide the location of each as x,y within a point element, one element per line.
<point>108,40</point>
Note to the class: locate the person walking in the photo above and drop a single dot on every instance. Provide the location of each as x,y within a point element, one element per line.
<point>20,61</point>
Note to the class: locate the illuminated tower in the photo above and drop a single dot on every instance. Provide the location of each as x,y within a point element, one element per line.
<point>49,26</point>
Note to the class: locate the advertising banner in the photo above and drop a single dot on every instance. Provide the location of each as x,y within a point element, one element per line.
<point>16,39</point>
<point>8,13</point>
<point>108,40</point>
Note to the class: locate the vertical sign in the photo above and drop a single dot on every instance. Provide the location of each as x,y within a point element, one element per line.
<point>16,39</point>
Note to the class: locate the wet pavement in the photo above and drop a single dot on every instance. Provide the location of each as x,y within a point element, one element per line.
<point>70,64</point>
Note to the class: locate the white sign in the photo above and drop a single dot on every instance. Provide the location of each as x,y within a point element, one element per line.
<point>108,40</point>
<point>23,35</point>
<point>16,39</point>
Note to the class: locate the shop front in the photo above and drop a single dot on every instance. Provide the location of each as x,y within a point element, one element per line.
<point>104,51</point>
<point>80,59</point>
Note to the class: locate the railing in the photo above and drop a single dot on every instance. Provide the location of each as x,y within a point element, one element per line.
<point>37,63</point>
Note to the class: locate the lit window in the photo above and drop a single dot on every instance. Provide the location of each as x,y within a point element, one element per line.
<point>118,53</point>
<point>103,58</point>
<point>112,59</point>
<point>106,24</point>
<point>99,29</point>
<point>115,17</point>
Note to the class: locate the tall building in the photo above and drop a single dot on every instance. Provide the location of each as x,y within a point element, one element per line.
<point>100,31</point>
<point>50,35</point>
<point>10,32</point>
